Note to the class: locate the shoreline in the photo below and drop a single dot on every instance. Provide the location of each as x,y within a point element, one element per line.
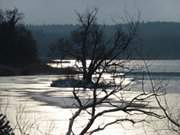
<point>35,69</point>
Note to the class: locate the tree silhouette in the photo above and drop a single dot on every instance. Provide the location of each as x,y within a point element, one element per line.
<point>17,46</point>
<point>98,56</point>
<point>5,128</point>
<point>90,42</point>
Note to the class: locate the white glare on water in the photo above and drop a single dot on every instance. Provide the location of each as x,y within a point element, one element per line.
<point>30,98</point>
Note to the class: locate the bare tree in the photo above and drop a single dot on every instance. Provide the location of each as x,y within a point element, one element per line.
<point>173,119</point>
<point>101,101</point>
<point>112,96</point>
<point>90,45</point>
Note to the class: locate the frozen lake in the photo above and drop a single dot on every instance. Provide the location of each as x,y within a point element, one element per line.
<point>30,99</point>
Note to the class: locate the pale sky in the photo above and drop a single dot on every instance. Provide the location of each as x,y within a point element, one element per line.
<point>110,11</point>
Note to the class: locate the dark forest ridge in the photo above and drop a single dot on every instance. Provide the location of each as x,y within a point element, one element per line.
<point>156,40</point>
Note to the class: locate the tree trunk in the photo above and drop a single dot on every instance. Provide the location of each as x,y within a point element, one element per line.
<point>87,77</point>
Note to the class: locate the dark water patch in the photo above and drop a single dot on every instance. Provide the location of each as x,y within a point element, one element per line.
<point>154,75</point>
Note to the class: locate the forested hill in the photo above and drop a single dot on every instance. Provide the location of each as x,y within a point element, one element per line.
<point>160,40</point>
<point>157,40</point>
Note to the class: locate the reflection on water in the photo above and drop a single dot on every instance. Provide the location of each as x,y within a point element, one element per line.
<point>51,107</point>
<point>153,65</point>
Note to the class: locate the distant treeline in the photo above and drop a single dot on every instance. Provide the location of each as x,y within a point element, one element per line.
<point>155,40</point>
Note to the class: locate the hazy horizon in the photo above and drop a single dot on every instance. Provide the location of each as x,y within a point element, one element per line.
<point>70,24</point>
<point>39,12</point>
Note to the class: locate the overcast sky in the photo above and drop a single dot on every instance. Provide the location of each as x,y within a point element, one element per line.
<point>110,11</point>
